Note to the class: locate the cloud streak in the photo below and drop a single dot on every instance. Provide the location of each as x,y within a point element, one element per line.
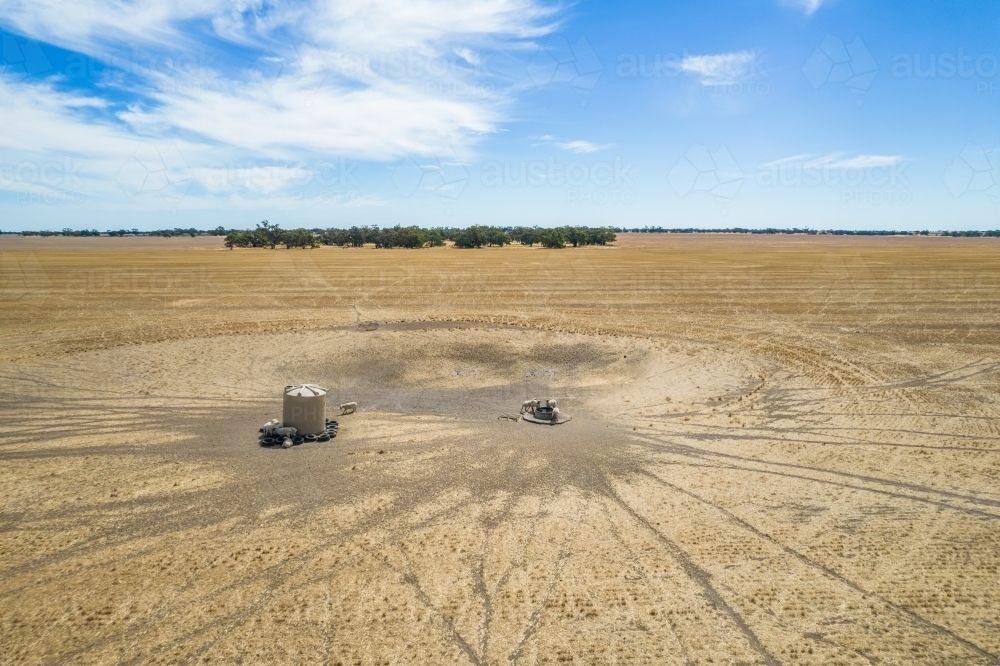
<point>721,69</point>
<point>583,146</point>
<point>807,6</point>
<point>835,161</point>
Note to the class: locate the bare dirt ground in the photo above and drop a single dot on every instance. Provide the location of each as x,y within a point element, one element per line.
<point>784,450</point>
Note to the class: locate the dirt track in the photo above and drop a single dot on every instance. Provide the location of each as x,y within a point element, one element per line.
<point>783,450</point>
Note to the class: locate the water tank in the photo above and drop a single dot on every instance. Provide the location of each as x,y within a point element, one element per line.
<point>305,409</point>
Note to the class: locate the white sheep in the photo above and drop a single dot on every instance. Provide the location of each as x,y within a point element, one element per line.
<point>285,432</point>
<point>268,428</point>
<point>287,444</point>
<point>348,408</point>
<point>529,406</point>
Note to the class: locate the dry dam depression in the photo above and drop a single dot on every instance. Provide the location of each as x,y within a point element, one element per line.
<point>783,451</point>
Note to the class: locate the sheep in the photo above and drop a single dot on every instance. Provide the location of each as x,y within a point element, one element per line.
<point>348,408</point>
<point>529,406</point>
<point>287,444</point>
<point>268,428</point>
<point>285,432</point>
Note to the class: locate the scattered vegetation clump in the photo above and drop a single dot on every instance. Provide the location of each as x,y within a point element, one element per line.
<point>271,235</point>
<point>971,234</point>
<point>809,232</point>
<point>559,237</point>
<point>398,236</point>
<point>478,236</point>
<point>552,238</point>
<point>65,232</point>
<point>299,238</point>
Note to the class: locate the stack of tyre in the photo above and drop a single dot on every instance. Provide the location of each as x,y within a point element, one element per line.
<point>332,427</point>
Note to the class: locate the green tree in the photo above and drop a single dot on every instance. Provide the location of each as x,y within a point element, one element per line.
<point>299,238</point>
<point>271,232</point>
<point>233,239</point>
<point>552,238</point>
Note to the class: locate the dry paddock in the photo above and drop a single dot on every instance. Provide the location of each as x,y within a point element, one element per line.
<point>784,450</point>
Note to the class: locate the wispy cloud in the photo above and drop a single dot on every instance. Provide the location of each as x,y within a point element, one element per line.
<point>721,69</point>
<point>835,161</point>
<point>808,6</point>
<point>291,81</point>
<point>583,146</point>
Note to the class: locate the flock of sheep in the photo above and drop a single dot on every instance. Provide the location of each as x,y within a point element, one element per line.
<point>539,405</point>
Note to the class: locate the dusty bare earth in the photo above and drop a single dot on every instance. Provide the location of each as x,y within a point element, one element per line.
<point>783,450</point>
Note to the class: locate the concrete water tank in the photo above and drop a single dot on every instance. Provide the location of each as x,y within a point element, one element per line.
<point>305,409</point>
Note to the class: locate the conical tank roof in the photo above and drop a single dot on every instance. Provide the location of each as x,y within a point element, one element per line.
<point>305,390</point>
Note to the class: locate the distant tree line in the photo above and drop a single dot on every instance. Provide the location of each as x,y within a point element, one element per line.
<point>994,234</point>
<point>560,237</point>
<point>808,231</point>
<point>65,232</point>
<point>170,233</point>
<point>411,237</point>
<point>165,233</point>
<point>268,235</point>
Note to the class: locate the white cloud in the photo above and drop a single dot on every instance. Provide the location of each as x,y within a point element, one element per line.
<point>371,77</point>
<point>721,69</point>
<point>46,144</point>
<point>382,121</point>
<point>583,146</point>
<point>859,161</point>
<point>808,6</point>
<point>361,79</point>
<point>835,161</point>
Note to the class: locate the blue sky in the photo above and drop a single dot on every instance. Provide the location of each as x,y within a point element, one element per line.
<point>753,113</point>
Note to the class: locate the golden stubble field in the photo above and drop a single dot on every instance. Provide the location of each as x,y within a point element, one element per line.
<point>784,450</point>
